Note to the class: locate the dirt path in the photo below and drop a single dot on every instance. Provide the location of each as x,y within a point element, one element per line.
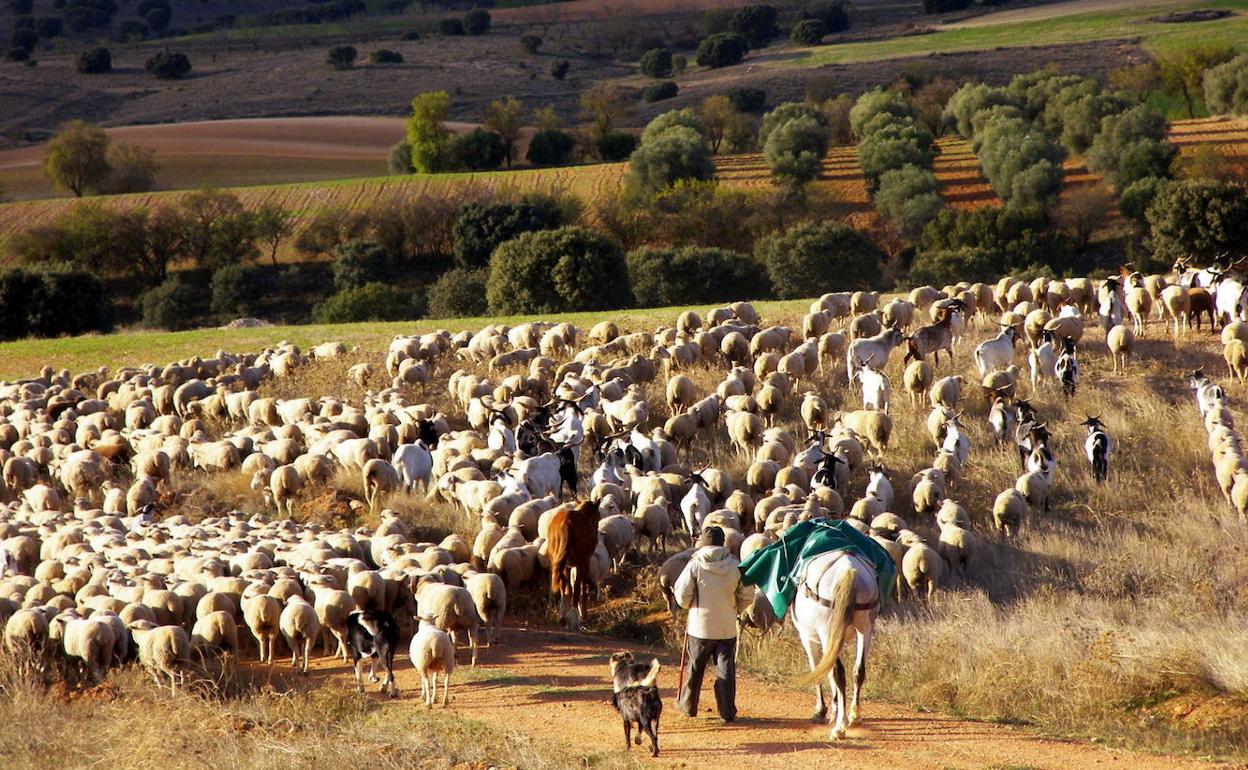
<point>553,686</point>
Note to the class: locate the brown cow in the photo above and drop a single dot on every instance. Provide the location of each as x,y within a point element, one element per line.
<point>571,541</point>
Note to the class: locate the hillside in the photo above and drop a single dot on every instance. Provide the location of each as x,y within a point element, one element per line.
<point>841,181</point>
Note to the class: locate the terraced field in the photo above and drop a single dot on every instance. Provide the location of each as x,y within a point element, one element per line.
<point>841,180</point>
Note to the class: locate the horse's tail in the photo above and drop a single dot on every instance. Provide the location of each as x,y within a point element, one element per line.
<point>842,608</point>
<point>557,549</point>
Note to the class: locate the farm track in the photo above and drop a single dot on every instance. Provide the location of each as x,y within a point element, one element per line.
<point>553,687</point>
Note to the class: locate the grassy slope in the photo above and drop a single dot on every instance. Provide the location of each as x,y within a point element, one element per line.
<point>1079,28</point>
<point>25,357</point>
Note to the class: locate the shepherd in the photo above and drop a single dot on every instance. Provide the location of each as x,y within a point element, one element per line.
<point>711,589</point>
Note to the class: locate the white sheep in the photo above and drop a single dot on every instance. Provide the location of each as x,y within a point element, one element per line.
<point>489,594</point>
<point>262,614</point>
<point>163,650</point>
<point>432,651</point>
<point>89,641</point>
<point>301,628</point>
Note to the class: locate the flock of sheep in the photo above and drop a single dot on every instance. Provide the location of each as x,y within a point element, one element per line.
<point>510,425</point>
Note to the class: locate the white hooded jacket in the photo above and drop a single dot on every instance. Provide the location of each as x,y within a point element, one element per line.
<point>711,589</point>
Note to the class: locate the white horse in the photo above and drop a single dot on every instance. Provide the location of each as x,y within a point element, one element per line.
<point>839,591</point>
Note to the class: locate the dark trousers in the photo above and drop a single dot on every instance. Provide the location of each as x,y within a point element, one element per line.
<point>722,654</point>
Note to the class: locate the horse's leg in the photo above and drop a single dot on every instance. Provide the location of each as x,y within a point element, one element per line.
<point>860,666</point>
<point>813,653</point>
<point>838,689</point>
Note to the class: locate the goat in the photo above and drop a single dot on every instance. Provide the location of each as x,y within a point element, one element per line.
<point>1097,447</point>
<point>935,337</point>
<point>997,353</point>
<point>1067,368</point>
<point>876,389</point>
<point>872,350</point>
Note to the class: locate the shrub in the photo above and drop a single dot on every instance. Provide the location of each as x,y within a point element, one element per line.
<point>970,100</point>
<point>783,114</point>
<point>385,56</point>
<point>17,55</point>
<point>834,14</point>
<point>909,198</point>
<point>168,306</point>
<point>52,303</point>
<point>748,99</point>
<point>722,50</point>
<point>370,302</point>
<point>662,277</point>
<point>94,61</point>
<point>359,262</point>
<point>399,158</point>
<point>559,69</point>
<point>158,19</point>
<point>657,63</point>
<point>1226,87</point>
<point>1134,200</point>
<point>237,291</point>
<point>945,6</point>
<point>341,57</point>
<point>451,27</point>
<point>1021,161</point>
<point>550,147</point>
<point>1020,234</point>
<point>897,145</point>
<point>530,43</point>
<point>132,30</point>
<point>555,271</point>
<point>616,145</point>
<point>794,150</point>
<point>477,21</point>
<point>1198,219</point>
<point>168,66</point>
<point>481,227</point>
<point>77,157</point>
<point>674,154</point>
<point>132,169</point>
<point>671,119</point>
<point>458,293</point>
<point>427,138</point>
<point>871,105</point>
<point>811,259</point>
<point>1131,146</point>
<point>659,91</point>
<point>808,32</point>
<point>948,266</point>
<point>836,111</point>
<point>755,23</point>
<point>477,150</point>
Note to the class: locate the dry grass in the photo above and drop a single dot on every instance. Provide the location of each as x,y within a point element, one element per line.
<point>271,721</point>
<point>1118,616</point>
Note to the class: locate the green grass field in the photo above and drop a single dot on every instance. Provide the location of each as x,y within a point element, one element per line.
<point>1079,28</point>
<point>24,358</point>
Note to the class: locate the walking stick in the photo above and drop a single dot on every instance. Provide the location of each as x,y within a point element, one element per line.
<point>684,655</point>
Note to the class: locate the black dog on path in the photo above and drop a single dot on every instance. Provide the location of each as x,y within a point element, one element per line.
<point>636,697</point>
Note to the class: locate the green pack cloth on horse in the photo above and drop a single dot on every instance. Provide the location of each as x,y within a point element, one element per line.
<point>779,567</point>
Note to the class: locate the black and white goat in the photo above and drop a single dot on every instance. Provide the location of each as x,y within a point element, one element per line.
<point>1068,367</point>
<point>373,635</point>
<point>1209,394</point>
<point>1098,447</point>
